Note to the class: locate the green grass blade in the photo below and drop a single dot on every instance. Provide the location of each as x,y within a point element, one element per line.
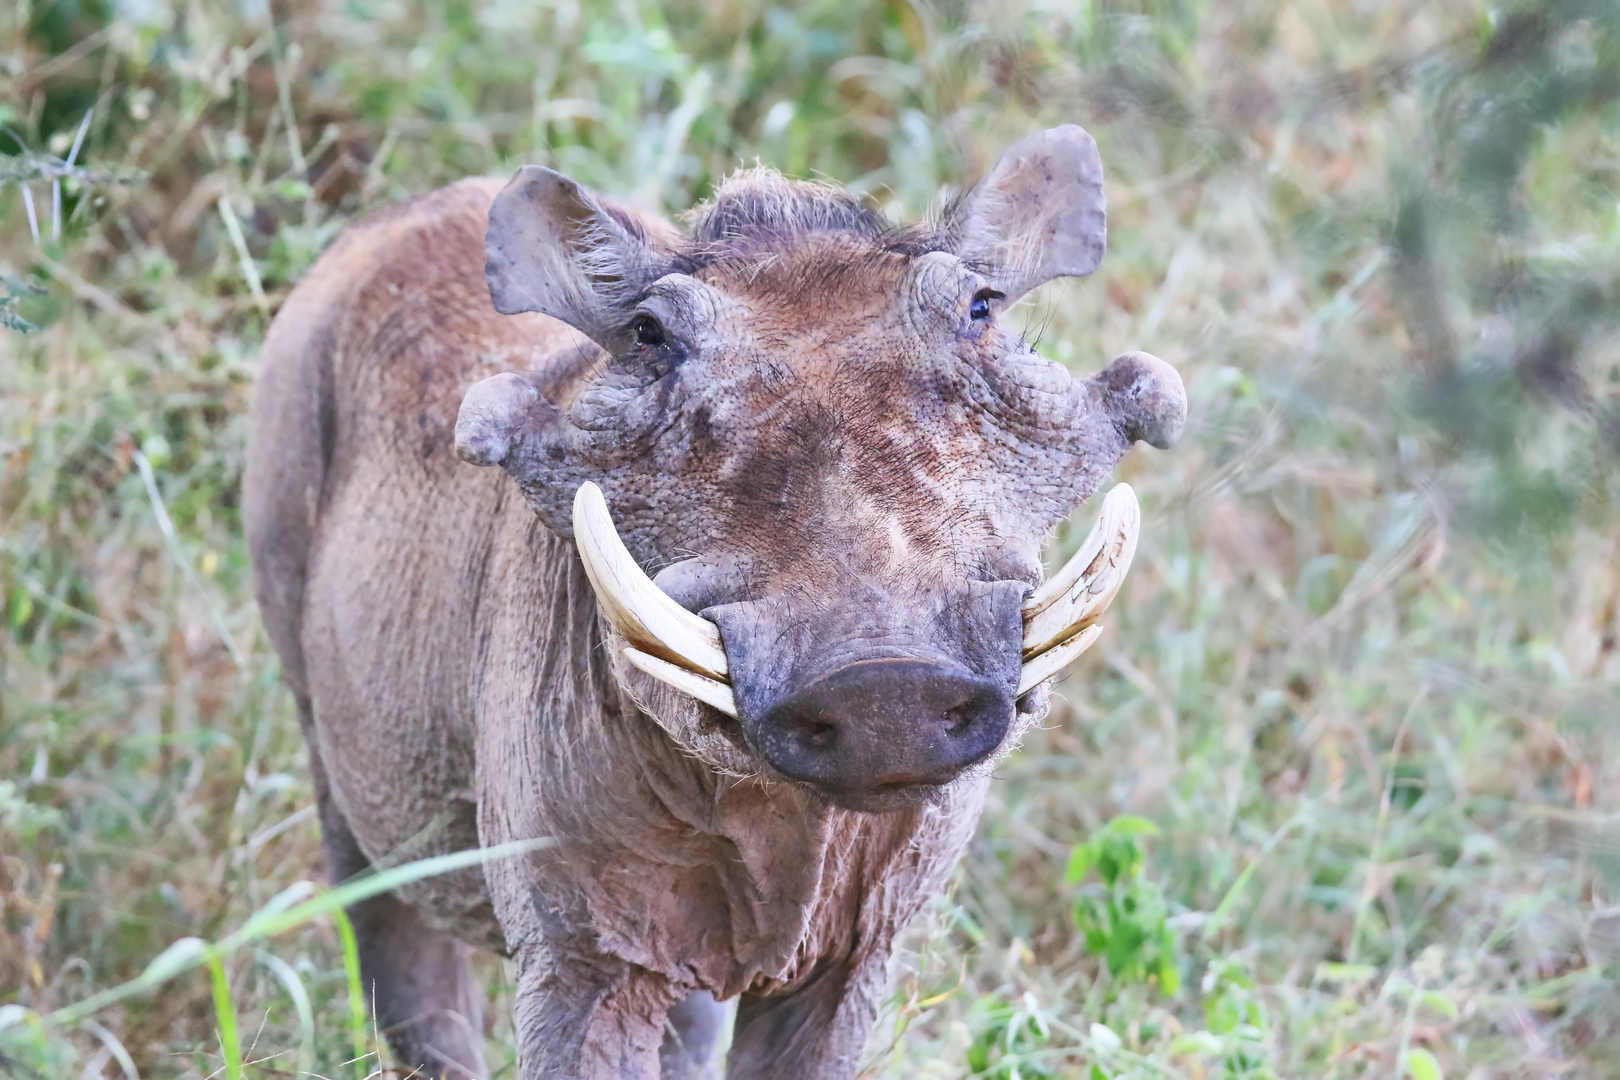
<point>357,993</point>
<point>229,1043</point>
<point>275,918</point>
<point>114,1046</point>
<point>290,982</point>
<point>1223,910</point>
<point>267,924</point>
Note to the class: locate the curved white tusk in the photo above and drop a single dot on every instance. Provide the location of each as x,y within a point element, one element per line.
<point>701,687</point>
<point>638,609</point>
<point>1077,595</point>
<point>1054,660</point>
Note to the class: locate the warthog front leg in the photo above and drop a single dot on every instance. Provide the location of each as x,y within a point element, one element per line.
<point>589,1017</point>
<point>425,1000</point>
<point>427,1004</point>
<point>816,1033</point>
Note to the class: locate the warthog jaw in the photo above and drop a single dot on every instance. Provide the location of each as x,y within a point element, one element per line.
<point>685,650</point>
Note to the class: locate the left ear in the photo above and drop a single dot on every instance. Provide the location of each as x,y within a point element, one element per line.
<point>1040,214</point>
<point>555,248</point>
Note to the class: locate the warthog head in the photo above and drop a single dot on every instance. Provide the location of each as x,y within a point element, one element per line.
<point>839,458</point>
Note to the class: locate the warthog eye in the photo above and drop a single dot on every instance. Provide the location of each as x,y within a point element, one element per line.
<point>647,331</point>
<point>979,310</point>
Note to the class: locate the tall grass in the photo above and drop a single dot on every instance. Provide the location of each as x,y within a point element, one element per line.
<point>1363,680</point>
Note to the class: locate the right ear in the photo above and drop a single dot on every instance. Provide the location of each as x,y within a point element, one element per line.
<point>1040,214</point>
<point>553,248</point>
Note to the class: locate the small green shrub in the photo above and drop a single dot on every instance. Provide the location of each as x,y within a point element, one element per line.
<point>1009,1041</point>
<point>1124,918</point>
<point>1238,1033</point>
<point>13,289</point>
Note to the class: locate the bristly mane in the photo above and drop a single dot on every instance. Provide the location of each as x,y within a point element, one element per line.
<point>759,208</point>
<point>763,201</point>
<point>754,215</point>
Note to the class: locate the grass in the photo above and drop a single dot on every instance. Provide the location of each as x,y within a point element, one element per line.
<point>1359,691</point>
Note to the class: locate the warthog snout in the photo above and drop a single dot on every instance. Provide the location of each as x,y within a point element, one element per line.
<point>880,726</point>
<point>876,696</point>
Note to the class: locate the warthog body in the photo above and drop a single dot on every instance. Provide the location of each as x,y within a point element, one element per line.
<point>816,432</point>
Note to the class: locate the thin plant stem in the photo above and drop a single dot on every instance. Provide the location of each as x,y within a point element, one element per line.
<point>357,996</point>
<point>229,1041</point>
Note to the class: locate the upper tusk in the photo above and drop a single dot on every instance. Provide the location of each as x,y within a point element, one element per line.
<point>638,609</point>
<point>1052,661</point>
<point>701,687</point>
<point>1077,595</point>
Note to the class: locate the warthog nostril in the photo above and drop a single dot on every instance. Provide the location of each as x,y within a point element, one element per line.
<point>813,735</point>
<point>884,724</point>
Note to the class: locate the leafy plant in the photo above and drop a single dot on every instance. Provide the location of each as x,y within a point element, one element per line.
<point>1124,916</point>
<point>1237,1033</point>
<point>12,289</point>
<point>1009,1040</point>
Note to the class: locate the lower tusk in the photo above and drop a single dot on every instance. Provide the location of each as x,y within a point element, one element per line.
<point>701,687</point>
<point>647,617</point>
<point>1078,595</point>
<point>1054,660</point>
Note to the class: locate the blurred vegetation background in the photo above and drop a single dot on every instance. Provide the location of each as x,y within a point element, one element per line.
<point>1336,794</point>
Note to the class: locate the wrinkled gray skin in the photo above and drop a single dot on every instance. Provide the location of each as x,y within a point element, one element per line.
<point>808,429</point>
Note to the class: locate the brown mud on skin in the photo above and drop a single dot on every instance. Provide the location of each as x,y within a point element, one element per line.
<point>816,431</point>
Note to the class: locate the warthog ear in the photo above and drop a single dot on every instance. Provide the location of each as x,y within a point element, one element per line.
<point>554,248</point>
<point>1040,214</point>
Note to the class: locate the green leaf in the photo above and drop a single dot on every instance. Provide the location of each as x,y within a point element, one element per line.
<point>1439,1003</point>
<point>1169,974</point>
<point>157,450</point>
<point>292,189</point>
<point>1420,1065</point>
<point>290,982</point>
<point>1344,973</point>
<point>1198,1042</point>
<point>357,994</point>
<point>229,1042</point>
<point>183,955</point>
<point>1080,861</point>
<point>21,286</point>
<point>271,920</point>
<point>22,609</point>
<point>11,319</point>
<point>1126,825</point>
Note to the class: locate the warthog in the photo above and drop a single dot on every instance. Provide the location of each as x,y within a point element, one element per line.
<point>839,460</point>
